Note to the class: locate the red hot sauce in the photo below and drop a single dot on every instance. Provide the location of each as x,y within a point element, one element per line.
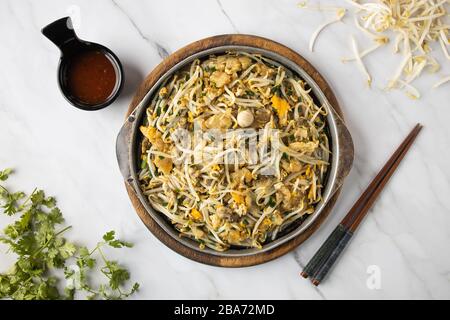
<point>91,77</point>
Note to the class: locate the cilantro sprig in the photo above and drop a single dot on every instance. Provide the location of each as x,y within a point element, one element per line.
<point>36,237</point>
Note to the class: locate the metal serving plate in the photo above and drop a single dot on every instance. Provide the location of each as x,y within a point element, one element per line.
<point>128,142</point>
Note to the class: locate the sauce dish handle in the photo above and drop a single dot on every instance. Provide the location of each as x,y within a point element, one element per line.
<point>60,32</point>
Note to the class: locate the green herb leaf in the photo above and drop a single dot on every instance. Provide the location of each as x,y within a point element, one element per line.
<point>272,202</point>
<point>210,69</point>
<point>110,239</point>
<point>37,240</point>
<point>109,235</point>
<point>276,90</point>
<point>4,174</point>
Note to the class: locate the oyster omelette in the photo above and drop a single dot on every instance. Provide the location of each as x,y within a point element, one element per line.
<point>223,204</point>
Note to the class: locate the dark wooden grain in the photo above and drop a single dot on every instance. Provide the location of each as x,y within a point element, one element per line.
<point>216,41</point>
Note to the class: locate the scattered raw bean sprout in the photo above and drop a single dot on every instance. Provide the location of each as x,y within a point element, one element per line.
<point>441,82</point>
<point>414,25</point>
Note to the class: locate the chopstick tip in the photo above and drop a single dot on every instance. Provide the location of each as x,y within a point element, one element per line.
<point>315,282</point>
<point>304,274</point>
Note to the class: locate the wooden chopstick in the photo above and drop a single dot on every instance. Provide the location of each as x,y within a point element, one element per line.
<point>365,201</point>
<point>389,172</point>
<point>339,232</point>
<point>330,250</point>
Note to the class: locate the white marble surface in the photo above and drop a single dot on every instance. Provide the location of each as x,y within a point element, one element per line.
<point>71,153</point>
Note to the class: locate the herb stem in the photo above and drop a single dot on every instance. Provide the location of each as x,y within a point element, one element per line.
<point>45,245</point>
<point>62,231</point>
<point>22,206</point>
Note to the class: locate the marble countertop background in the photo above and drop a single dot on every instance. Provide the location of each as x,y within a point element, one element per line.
<point>71,153</point>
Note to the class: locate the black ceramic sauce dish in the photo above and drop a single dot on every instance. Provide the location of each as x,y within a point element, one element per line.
<point>62,34</point>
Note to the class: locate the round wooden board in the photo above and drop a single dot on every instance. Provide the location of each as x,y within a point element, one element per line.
<point>166,64</point>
